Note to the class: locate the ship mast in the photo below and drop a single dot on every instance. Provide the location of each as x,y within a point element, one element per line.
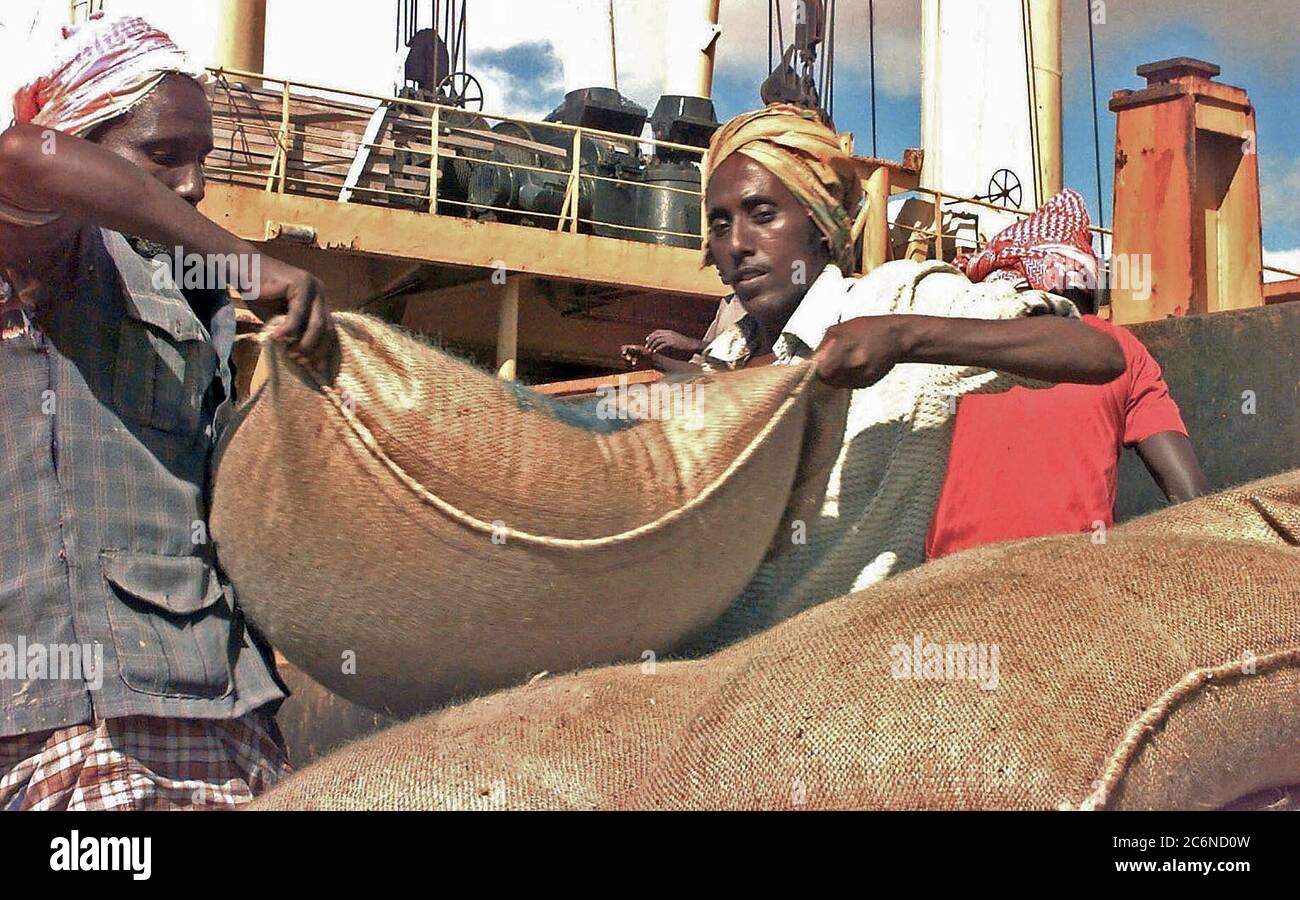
<point>690,36</point>
<point>1043,21</point>
<point>241,35</point>
<point>991,99</point>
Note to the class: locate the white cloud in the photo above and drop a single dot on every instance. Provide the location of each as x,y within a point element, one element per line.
<point>743,47</point>
<point>1283,259</point>
<point>351,43</point>
<point>1264,32</point>
<point>499,86</point>
<point>22,25</point>
<point>313,47</point>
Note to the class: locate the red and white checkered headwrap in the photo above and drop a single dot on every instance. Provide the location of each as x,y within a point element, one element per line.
<point>1051,250</point>
<point>99,71</point>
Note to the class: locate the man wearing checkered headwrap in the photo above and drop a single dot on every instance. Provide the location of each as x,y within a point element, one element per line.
<point>1050,250</point>
<point>1026,463</point>
<point>100,70</point>
<point>128,676</point>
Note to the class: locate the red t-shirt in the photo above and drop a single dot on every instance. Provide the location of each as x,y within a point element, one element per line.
<point>1030,462</point>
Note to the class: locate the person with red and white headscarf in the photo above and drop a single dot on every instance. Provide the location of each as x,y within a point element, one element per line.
<point>128,676</point>
<point>1027,463</point>
<point>1050,250</point>
<point>100,88</point>
<point>100,70</point>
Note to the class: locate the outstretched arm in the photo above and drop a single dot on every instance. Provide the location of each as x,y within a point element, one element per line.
<point>1172,462</point>
<point>859,352</point>
<point>673,366</point>
<point>88,183</point>
<point>636,354</point>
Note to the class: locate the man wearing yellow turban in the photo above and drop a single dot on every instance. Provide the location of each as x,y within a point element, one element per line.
<point>785,208</point>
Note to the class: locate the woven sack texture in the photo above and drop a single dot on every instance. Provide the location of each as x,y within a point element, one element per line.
<point>420,531</point>
<point>1157,669</point>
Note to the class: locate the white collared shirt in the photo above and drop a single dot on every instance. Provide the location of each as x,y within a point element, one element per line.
<point>827,303</point>
<point>880,493</point>
<point>823,306</point>
<point>934,289</point>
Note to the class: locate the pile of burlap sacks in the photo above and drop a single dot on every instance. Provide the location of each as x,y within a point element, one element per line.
<point>1154,666</point>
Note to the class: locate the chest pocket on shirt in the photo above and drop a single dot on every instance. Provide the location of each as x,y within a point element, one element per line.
<point>164,367</point>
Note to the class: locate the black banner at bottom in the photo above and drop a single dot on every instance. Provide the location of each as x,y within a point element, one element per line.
<point>242,852</point>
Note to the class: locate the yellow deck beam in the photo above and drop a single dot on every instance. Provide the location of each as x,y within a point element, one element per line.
<point>252,214</point>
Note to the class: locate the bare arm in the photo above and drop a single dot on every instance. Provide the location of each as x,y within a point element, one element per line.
<point>635,355</point>
<point>1172,462</point>
<point>860,352</point>
<point>668,342</point>
<point>87,183</point>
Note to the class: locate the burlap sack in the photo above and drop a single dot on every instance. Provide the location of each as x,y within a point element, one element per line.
<point>421,531</point>
<point>1159,669</point>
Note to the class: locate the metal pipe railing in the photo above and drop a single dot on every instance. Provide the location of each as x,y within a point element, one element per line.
<point>1095,229</point>
<point>430,107</point>
<point>281,169</point>
<point>277,174</point>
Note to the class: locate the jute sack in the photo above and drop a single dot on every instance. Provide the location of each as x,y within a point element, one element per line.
<point>421,531</point>
<point>1159,669</point>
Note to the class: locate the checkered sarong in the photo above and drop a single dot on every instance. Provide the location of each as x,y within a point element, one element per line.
<point>139,762</point>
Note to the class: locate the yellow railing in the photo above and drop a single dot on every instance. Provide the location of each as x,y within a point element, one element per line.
<point>936,231</point>
<point>931,241</point>
<point>81,10</point>
<point>314,132</point>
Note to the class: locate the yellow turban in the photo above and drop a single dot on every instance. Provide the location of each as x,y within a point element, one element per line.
<point>810,159</point>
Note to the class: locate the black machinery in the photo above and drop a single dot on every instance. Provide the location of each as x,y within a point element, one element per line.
<point>796,78</point>
<point>436,64</point>
<point>620,188</point>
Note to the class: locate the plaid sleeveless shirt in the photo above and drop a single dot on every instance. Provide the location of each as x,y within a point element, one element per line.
<point>108,418</point>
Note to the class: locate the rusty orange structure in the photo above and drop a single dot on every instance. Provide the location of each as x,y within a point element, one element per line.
<point>1186,194</point>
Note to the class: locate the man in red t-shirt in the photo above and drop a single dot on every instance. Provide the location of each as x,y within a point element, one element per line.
<point>1031,462</point>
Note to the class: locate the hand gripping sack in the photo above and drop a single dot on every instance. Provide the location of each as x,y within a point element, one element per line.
<point>1157,670</point>
<point>421,531</point>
